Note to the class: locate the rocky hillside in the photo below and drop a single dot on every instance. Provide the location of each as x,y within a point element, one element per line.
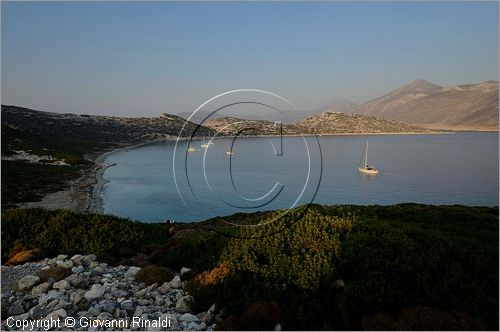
<point>93,128</point>
<point>463,107</point>
<point>234,126</point>
<point>44,152</point>
<point>342,123</point>
<point>80,291</point>
<point>327,123</point>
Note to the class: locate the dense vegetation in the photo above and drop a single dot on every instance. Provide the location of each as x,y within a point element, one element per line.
<point>339,267</point>
<point>27,182</point>
<point>23,181</point>
<point>62,231</point>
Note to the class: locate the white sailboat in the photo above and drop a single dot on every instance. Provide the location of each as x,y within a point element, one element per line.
<point>366,169</point>
<point>206,144</point>
<point>191,148</point>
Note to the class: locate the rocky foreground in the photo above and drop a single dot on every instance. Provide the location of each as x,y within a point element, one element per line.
<point>94,296</point>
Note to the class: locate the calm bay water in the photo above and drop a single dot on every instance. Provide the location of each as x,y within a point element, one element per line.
<point>145,184</point>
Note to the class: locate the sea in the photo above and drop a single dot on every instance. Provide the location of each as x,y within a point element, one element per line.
<point>163,181</point>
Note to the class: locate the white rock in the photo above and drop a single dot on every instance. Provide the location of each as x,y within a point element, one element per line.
<point>27,282</point>
<point>131,272</point>
<point>189,318</point>
<point>77,269</point>
<point>40,289</point>
<point>47,298</point>
<point>62,284</point>
<point>159,300</point>
<point>66,264</point>
<point>164,288</point>
<point>140,294</point>
<point>95,292</point>
<point>52,304</point>
<point>76,258</point>
<point>138,312</point>
<point>76,296</point>
<point>176,282</point>
<point>339,283</point>
<point>196,327</point>
<point>184,304</point>
<point>89,259</point>
<point>184,270</point>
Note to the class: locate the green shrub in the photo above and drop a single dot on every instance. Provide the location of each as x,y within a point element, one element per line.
<point>389,258</point>
<point>62,231</point>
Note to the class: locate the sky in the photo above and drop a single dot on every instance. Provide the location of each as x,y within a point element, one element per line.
<point>140,59</point>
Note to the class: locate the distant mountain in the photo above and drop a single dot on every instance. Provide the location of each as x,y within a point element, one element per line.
<point>340,105</point>
<point>327,123</point>
<point>463,107</point>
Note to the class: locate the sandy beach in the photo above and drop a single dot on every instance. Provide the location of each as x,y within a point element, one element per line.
<point>84,193</point>
<point>94,200</point>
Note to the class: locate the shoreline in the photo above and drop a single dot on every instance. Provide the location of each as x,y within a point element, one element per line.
<point>94,199</point>
<point>84,194</point>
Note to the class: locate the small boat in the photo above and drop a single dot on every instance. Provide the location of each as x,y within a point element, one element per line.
<point>206,144</point>
<point>367,169</point>
<point>230,153</point>
<point>191,149</point>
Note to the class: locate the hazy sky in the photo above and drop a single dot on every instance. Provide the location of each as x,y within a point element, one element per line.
<point>144,58</point>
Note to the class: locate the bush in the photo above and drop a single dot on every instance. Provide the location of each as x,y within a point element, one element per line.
<point>389,258</point>
<point>261,316</point>
<point>62,231</point>
<point>20,256</point>
<point>422,318</point>
<point>205,287</point>
<point>153,274</point>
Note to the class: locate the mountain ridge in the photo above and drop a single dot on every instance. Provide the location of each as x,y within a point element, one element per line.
<point>326,123</point>
<point>422,103</point>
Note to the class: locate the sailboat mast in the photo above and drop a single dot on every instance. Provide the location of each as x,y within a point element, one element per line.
<point>366,154</point>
